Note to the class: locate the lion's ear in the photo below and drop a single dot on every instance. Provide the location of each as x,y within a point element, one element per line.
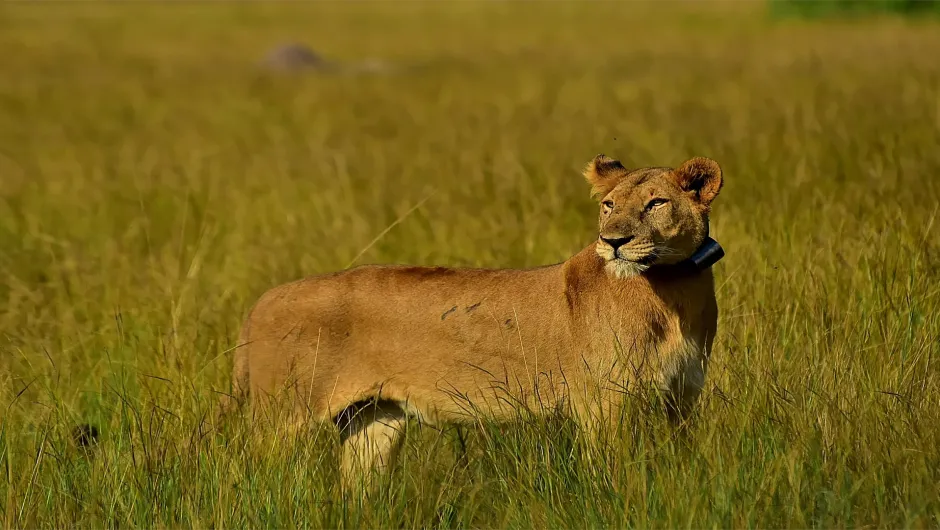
<point>702,176</point>
<point>603,173</point>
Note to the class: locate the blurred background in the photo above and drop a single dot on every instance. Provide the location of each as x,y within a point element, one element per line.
<point>162,164</point>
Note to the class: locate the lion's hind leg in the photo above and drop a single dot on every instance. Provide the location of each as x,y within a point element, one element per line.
<point>371,434</point>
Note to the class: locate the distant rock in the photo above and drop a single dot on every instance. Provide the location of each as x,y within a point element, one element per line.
<point>295,57</point>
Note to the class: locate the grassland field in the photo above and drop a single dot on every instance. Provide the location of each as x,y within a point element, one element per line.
<point>154,182</point>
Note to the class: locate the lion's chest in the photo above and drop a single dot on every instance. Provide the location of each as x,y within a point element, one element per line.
<point>683,363</point>
<point>663,346</point>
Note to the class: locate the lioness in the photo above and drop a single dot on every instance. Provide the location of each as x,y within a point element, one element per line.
<point>367,347</point>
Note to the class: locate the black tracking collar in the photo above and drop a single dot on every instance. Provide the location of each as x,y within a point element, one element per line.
<point>708,254</point>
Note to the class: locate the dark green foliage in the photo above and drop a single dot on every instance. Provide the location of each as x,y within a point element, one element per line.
<point>841,8</point>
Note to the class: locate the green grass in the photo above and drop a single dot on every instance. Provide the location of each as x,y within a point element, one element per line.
<point>153,183</point>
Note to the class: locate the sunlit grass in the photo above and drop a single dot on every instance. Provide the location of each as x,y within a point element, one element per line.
<point>153,182</point>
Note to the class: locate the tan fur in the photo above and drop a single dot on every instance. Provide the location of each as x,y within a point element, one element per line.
<point>445,345</point>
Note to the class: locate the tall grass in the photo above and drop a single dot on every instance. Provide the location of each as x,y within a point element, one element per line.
<point>153,183</point>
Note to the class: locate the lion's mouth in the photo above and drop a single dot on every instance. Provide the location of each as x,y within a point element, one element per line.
<point>636,259</point>
<point>646,260</point>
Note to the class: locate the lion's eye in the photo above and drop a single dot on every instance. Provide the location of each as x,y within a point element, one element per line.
<point>608,204</point>
<point>655,202</point>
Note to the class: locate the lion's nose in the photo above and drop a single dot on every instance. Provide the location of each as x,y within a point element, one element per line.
<point>616,242</point>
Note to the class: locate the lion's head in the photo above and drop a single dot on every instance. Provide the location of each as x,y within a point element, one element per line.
<point>651,216</point>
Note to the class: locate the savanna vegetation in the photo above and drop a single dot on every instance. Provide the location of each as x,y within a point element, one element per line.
<point>154,181</point>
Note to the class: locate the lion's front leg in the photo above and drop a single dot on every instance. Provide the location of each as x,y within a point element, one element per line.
<point>599,416</point>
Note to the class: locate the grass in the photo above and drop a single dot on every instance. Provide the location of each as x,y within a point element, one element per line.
<point>153,183</point>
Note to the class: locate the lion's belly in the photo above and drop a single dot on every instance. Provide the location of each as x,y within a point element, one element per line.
<point>441,352</point>
<point>445,369</point>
